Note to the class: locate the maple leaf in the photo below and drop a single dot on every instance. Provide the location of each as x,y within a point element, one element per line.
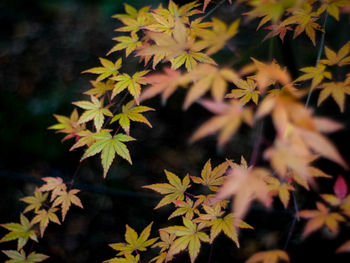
<point>54,184</point>
<point>164,22</point>
<point>189,236</point>
<point>344,248</point>
<point>245,184</point>
<point>312,172</point>
<point>207,77</point>
<point>268,73</point>
<point>65,199</point>
<point>246,91</point>
<point>318,218</point>
<point>268,10</point>
<point>161,83</point>
<point>211,178</point>
<point>86,137</point>
<point>277,30</point>
<point>100,88</point>
<point>165,243</point>
<point>216,38</point>
<point>109,145</point>
<point>108,69</point>
<point>228,119</point>
<point>317,74</point>
<point>215,219</point>
<point>341,58</point>
<point>134,242</point>
<point>305,19</point>
<point>34,202</point>
<point>332,7</point>
<point>270,256</point>
<point>134,19</point>
<point>340,189</point>
<point>173,191</point>
<point>132,83</point>
<point>187,208</point>
<point>21,257</point>
<point>70,125</point>
<point>197,27</point>
<point>335,89</point>
<point>94,110</point>
<point>177,48</point>
<point>166,240</point>
<point>130,112</point>
<point>128,258</point>
<point>128,43</point>
<point>280,188</point>
<point>44,217</point>
<point>21,231</point>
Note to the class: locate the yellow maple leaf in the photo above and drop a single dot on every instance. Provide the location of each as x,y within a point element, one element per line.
<point>215,219</point>
<point>246,91</point>
<point>189,237</point>
<point>43,217</point>
<point>215,39</point>
<point>211,178</point>
<point>320,217</point>
<point>108,69</point>
<point>53,184</point>
<point>34,202</point>
<point>341,58</point>
<point>134,242</point>
<point>279,188</point>
<point>66,199</point>
<point>173,191</point>
<point>335,89</point>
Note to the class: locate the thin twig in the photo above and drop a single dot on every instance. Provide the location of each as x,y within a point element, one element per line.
<point>214,9</point>
<point>319,54</point>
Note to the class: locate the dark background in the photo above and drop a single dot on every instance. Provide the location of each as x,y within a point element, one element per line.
<point>44,46</point>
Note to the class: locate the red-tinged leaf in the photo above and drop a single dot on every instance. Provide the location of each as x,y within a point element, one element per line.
<point>345,248</point>
<point>340,187</point>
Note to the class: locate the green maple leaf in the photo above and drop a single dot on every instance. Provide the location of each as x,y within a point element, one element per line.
<point>94,110</point>
<point>108,69</point>
<point>132,83</point>
<point>109,145</point>
<point>131,113</point>
<point>173,191</point>
<point>21,257</point>
<point>22,232</point>
<point>189,236</point>
<point>134,242</point>
<point>34,202</point>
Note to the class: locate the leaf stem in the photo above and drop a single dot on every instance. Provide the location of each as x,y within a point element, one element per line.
<point>319,54</point>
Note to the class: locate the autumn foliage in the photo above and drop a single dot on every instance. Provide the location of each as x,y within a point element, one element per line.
<point>176,45</point>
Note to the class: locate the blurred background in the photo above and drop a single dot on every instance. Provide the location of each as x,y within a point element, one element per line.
<point>44,47</point>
